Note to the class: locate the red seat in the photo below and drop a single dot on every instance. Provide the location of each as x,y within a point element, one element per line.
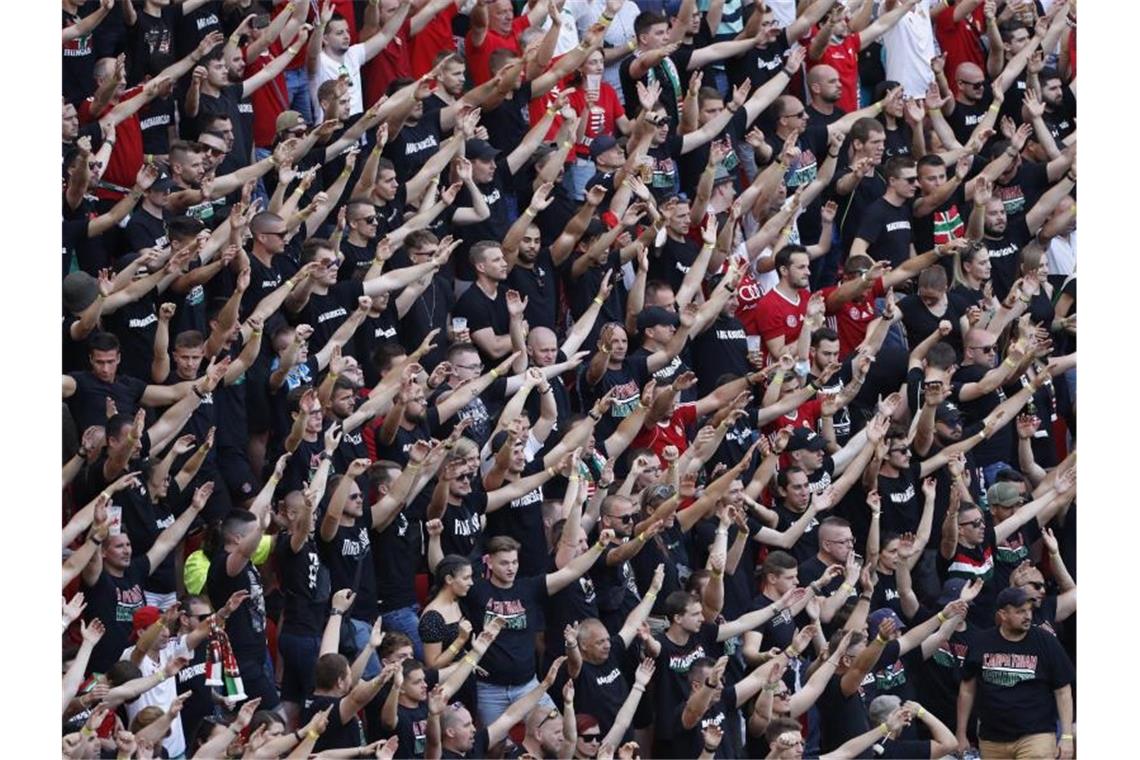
<point>422,584</point>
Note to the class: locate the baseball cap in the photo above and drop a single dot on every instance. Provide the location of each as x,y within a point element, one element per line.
<point>948,413</point>
<point>79,291</point>
<point>601,144</point>
<point>655,316</point>
<point>802,438</point>
<point>876,618</point>
<point>287,120</point>
<point>1011,596</point>
<point>144,618</point>
<point>162,184</point>
<point>477,148</point>
<point>951,590</point>
<point>1003,495</point>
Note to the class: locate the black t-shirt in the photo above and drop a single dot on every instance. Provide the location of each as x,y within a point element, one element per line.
<point>150,43</point>
<point>779,630</point>
<point>1016,680</point>
<point>326,312</point>
<point>846,716</point>
<point>1004,252</point>
<point>510,660</point>
<point>539,286</point>
<point>306,584</point>
<point>79,57</point>
<point>494,227</point>
<point>482,311</point>
<point>721,349</point>
<point>694,162</point>
<point>722,713</point>
<point>411,723</point>
<point>665,179</point>
<point>671,679</point>
<point>600,690</point>
<point>973,563</point>
<point>192,678</point>
<point>886,228</point>
<point>338,735</point>
<point>357,259</point>
<point>670,73</point>
<point>145,230</point>
<point>114,600</point>
<point>942,673</point>
<point>413,145</point>
<point>759,64</point>
<point>1028,184</point>
<point>997,447</point>
<point>155,119</point>
<point>576,602</point>
<point>396,554</point>
<point>894,673</point>
<point>521,519</point>
<point>808,544</point>
<point>349,559</point>
<point>507,124</point>
<point>246,626</point>
<point>902,499</point>
<point>89,402</point>
<point>854,205</point>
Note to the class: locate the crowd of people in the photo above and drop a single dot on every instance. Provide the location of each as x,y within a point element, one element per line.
<point>569,378</point>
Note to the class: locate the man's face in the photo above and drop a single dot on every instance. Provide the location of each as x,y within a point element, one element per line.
<point>930,295</point>
<point>770,25</point>
<point>543,348</point>
<point>336,36</point>
<point>898,454</point>
<point>810,460</point>
<point>387,185</point>
<point>971,527</point>
<point>930,178</point>
<point>1052,93</point>
<point>873,147</point>
<point>595,644</point>
<point>273,239</point>
<point>217,73</point>
<point>621,517</point>
<point>187,360</point>
<point>451,78</point>
<point>1033,584</point>
<point>327,266</point>
<point>117,551</point>
<point>837,541</point>
<point>680,218</point>
<point>194,613</point>
<point>502,15</point>
<point>235,66</point>
<point>215,150</point>
<point>690,620</point>
<point>829,88</point>
<point>70,122</point>
<point>784,581</point>
<point>482,170</point>
<point>466,367</point>
<point>996,219</point>
<point>354,507</point>
<point>826,352</point>
<point>981,349</point>
<point>656,36</point>
<point>494,265</point>
<point>1016,619</point>
<point>798,270</point>
<point>905,185</point>
<point>462,731</point>
<point>363,221</point>
<point>226,128</point>
<point>104,364</point>
<point>343,403</point>
<point>797,490</point>
<point>415,686</point>
<point>1017,41</point>
<point>505,566</point>
<point>710,109</point>
<point>529,245</point>
<point>189,170</point>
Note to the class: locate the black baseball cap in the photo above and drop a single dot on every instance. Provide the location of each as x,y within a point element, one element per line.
<point>802,438</point>
<point>655,316</point>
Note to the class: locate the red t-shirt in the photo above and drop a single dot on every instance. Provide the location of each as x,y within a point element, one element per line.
<point>127,155</point>
<point>844,58</point>
<point>669,432</point>
<point>779,316</point>
<point>601,119</point>
<point>434,38</point>
<point>806,415</point>
<point>479,56</point>
<point>269,101</point>
<point>392,63</point>
<point>961,41</point>
<point>853,317</point>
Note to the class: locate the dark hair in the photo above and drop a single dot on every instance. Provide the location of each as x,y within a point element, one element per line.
<point>420,239</point>
<point>778,561</point>
<point>1048,74</point>
<point>882,88</point>
<point>777,727</point>
<point>941,356</point>
<point>236,521</point>
<point>646,19</point>
<point>264,718</point>
<point>932,277</point>
<point>822,334</point>
<point>102,341</point>
<point>1011,25</point>
<point>450,565</point>
<point>894,166</point>
<point>784,255</point>
<point>121,672</point>
<point>310,247</point>
<point>861,130</point>
<point>385,354</point>
<point>480,248</point>
<point>782,475</point>
<point>116,422</point>
<point>184,228</point>
<point>330,667</point>
<point>189,339</point>
<point>393,640</point>
<point>931,159</point>
<point>677,602</point>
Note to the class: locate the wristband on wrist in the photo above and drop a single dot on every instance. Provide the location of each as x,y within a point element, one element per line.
<point>994,108</point>
<point>641,537</point>
<point>941,617</point>
<point>598,301</point>
<point>879,639</point>
<point>495,373</point>
<point>1066,737</point>
<point>885,729</point>
<point>920,713</point>
<point>336,612</point>
<point>312,735</point>
<point>599,546</point>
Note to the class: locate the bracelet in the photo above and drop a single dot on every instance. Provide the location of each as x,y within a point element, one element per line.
<point>789,73</point>
<point>467,658</point>
<point>632,45</point>
<point>641,537</point>
<point>638,687</point>
<point>879,639</point>
<point>109,141</point>
<point>336,612</point>
<point>994,108</point>
<point>495,373</point>
<point>528,211</point>
<point>716,573</point>
<point>865,596</point>
<point>453,648</point>
<point>591,415</point>
<point>310,735</point>
<point>791,651</point>
<point>598,301</point>
<point>771,687</point>
<point>845,586</point>
<point>710,749</point>
<point>921,712</point>
<point>197,392</point>
<point>651,595</point>
<point>941,618</point>
<point>85,731</point>
<point>96,541</point>
<point>1009,363</point>
<point>255,333</point>
<point>1066,737</point>
<point>290,284</point>
<point>599,546</point>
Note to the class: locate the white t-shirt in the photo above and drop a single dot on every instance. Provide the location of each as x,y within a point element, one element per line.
<point>329,68</point>
<point>1062,254</point>
<point>784,11</point>
<point>162,695</point>
<point>909,46</point>
<point>567,33</point>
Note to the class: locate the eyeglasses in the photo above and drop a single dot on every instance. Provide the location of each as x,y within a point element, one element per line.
<point>331,264</point>
<point>985,349</point>
<point>356,497</point>
<point>215,152</point>
<point>590,738</point>
<point>909,180</point>
<point>976,523</point>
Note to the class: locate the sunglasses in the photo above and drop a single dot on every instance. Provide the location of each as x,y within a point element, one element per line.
<point>626,519</point>
<point>979,522</point>
<point>550,716</point>
<point>590,738</point>
<point>281,234</point>
<point>964,83</point>
<point>215,152</point>
<point>985,349</point>
<point>366,219</point>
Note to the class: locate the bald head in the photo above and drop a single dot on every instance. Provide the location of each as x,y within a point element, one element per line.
<point>542,346</point>
<point>971,82</point>
<point>589,630</point>
<point>824,85</point>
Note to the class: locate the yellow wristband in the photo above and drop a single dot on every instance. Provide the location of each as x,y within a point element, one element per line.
<point>994,108</point>
<point>598,301</point>
<point>632,45</point>
<point>599,546</point>
<point>941,618</point>
<point>454,649</point>
<point>290,284</point>
<point>641,537</point>
<point>495,373</point>
<point>885,729</point>
<point>312,735</point>
<point>651,595</point>
<point>1065,737</point>
<point>920,713</point>
<point>879,639</point>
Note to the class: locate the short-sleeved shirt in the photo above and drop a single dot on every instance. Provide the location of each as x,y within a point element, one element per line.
<point>328,68</point>
<point>114,600</point>
<point>781,316</point>
<point>246,626</point>
<point>510,659</point>
<point>886,228</point>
